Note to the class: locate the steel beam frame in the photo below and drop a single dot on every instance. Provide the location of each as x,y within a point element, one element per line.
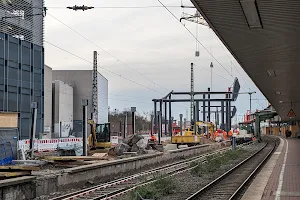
<point>166,101</point>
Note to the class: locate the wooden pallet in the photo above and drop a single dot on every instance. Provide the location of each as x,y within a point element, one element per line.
<point>11,171</point>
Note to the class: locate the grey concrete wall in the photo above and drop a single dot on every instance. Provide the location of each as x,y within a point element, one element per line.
<point>81,81</point>
<point>63,111</point>
<point>21,188</point>
<point>102,99</point>
<point>48,98</point>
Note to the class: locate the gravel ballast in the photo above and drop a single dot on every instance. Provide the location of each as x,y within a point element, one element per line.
<point>188,183</point>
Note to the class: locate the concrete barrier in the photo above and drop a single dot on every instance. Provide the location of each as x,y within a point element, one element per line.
<point>78,177</point>
<point>18,188</point>
<point>101,172</point>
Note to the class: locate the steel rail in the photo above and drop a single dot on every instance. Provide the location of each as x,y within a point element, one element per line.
<point>226,174</point>
<point>120,184</point>
<point>162,168</point>
<point>253,173</point>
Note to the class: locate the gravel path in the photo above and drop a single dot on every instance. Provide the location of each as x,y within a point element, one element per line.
<point>187,183</point>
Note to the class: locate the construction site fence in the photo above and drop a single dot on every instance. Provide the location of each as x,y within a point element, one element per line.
<point>42,145</point>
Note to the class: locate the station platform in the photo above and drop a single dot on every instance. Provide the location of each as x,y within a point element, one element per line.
<point>280,177</point>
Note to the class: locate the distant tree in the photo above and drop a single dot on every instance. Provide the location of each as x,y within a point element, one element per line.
<point>142,121</point>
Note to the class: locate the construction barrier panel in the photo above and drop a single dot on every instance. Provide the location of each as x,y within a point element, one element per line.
<point>114,140</point>
<point>42,145</point>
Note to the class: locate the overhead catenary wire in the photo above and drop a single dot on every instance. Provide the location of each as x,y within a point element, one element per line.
<point>126,100</point>
<point>107,52</point>
<point>196,38</point>
<point>199,42</point>
<point>237,69</point>
<point>101,67</point>
<point>99,7</point>
<point>232,62</point>
<point>106,70</point>
<point>213,72</point>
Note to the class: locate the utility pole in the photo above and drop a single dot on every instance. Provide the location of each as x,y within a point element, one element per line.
<point>159,125</point>
<point>95,89</point>
<point>250,94</point>
<point>34,107</point>
<point>125,125</point>
<point>180,116</point>
<point>192,91</point>
<point>133,110</point>
<point>151,126</point>
<point>186,114</point>
<point>211,75</point>
<point>84,103</point>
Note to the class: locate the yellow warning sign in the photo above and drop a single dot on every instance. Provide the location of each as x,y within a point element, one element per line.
<point>291,113</point>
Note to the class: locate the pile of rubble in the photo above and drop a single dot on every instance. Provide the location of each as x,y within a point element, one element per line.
<point>136,144</point>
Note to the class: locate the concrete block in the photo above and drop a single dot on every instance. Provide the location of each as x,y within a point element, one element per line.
<point>21,190</point>
<point>170,147</point>
<point>159,148</point>
<point>182,146</point>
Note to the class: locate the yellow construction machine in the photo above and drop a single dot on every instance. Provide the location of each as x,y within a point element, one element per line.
<point>100,135</point>
<point>190,136</point>
<point>209,125</point>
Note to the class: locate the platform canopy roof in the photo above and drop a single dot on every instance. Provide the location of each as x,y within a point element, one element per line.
<point>264,37</point>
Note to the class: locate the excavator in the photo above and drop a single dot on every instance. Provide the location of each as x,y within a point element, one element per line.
<point>191,136</point>
<point>209,125</point>
<point>100,136</point>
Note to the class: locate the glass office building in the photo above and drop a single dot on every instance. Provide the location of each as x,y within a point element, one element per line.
<point>22,61</point>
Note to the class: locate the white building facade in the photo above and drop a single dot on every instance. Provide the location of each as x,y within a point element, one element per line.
<point>63,109</point>
<point>81,81</point>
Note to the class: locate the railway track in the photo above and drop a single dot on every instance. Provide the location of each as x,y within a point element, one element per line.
<point>121,186</point>
<point>117,186</point>
<point>231,184</point>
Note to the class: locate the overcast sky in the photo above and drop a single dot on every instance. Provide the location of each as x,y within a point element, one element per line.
<point>150,42</point>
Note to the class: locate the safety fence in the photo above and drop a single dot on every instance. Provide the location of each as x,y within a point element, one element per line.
<point>42,145</point>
